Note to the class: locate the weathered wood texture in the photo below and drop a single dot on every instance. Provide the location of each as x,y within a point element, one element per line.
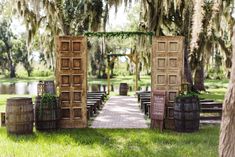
<point>19,115</point>
<point>71,77</point>
<point>167,71</point>
<point>227,128</point>
<point>3,119</point>
<point>158,109</point>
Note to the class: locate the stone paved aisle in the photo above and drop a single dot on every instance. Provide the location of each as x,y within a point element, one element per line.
<point>120,112</point>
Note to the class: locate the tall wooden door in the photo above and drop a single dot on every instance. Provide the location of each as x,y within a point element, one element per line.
<point>167,71</point>
<point>71,77</point>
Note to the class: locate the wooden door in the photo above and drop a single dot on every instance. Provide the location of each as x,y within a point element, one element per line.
<point>167,70</point>
<point>71,77</point>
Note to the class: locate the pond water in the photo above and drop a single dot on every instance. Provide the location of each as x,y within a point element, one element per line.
<point>19,88</point>
<point>31,88</point>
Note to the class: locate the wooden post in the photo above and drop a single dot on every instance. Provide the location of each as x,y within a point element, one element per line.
<point>108,78</point>
<point>136,72</point>
<point>109,64</point>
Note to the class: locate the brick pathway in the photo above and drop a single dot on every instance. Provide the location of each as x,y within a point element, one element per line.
<point>120,112</point>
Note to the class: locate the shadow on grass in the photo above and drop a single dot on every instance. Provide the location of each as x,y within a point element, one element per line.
<point>128,142</point>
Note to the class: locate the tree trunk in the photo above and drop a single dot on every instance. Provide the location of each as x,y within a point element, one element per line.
<point>199,78</point>
<point>12,71</point>
<point>11,65</point>
<point>186,31</point>
<point>227,129</point>
<point>187,68</point>
<point>29,73</point>
<point>155,15</point>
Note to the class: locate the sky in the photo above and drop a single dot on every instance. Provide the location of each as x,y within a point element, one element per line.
<point>117,20</point>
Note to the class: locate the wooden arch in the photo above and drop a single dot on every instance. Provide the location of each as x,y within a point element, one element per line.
<point>133,58</point>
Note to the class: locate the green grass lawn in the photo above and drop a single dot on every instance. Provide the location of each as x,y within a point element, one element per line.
<point>216,90</point>
<point>112,143</point>
<point>214,94</point>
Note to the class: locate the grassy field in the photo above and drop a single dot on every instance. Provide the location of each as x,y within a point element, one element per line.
<point>216,90</point>
<point>112,143</point>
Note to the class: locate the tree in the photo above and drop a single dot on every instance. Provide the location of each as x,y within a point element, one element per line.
<point>6,37</point>
<point>50,18</point>
<point>21,55</point>
<point>200,23</point>
<point>227,129</point>
<point>12,50</point>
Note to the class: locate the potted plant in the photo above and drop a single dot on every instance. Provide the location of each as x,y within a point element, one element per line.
<point>46,112</point>
<point>187,112</point>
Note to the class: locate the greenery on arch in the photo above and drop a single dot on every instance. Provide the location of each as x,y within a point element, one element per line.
<point>121,34</point>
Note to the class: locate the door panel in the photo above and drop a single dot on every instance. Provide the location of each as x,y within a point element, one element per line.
<point>167,70</point>
<point>72,80</point>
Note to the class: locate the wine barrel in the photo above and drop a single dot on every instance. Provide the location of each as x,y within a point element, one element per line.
<point>19,115</point>
<point>123,89</point>
<point>187,114</point>
<point>49,87</point>
<point>46,117</point>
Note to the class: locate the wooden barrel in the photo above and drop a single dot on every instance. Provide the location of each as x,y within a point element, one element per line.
<point>187,114</point>
<point>123,89</point>
<point>19,115</point>
<point>46,117</point>
<point>49,87</point>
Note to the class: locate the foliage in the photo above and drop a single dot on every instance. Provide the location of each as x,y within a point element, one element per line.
<point>4,79</point>
<point>112,142</point>
<point>21,55</point>
<point>118,41</point>
<point>48,101</point>
<point>50,18</point>
<point>205,24</point>
<point>6,45</point>
<point>187,95</point>
<point>217,74</point>
<point>12,50</point>
<point>42,73</point>
<point>97,58</point>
